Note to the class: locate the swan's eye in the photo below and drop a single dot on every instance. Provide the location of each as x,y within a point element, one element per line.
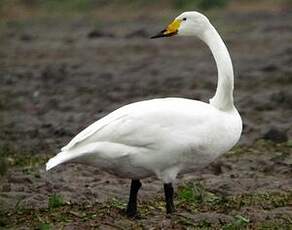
<point>184,19</point>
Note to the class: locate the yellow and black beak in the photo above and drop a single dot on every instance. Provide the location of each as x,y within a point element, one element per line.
<point>171,30</point>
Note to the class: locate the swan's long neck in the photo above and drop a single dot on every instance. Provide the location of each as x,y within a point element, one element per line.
<point>223,98</point>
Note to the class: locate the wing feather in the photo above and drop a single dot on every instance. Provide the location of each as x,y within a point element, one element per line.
<point>92,129</point>
<point>144,123</point>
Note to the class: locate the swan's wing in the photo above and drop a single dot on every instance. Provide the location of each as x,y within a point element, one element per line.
<point>144,123</point>
<point>131,125</point>
<point>93,128</point>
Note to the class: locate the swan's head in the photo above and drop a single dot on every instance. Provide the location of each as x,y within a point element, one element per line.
<point>186,24</point>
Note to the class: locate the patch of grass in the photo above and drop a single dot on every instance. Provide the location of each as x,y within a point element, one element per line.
<point>9,157</point>
<point>272,224</point>
<point>239,222</point>
<point>289,143</point>
<point>187,223</point>
<point>55,201</point>
<point>18,206</point>
<point>191,199</point>
<point>190,223</point>
<point>266,201</point>
<point>116,203</point>
<point>191,193</point>
<point>44,226</point>
<point>194,194</point>
<point>262,146</point>
<point>111,214</point>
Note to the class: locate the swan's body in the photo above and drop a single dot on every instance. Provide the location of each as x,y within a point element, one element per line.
<point>168,136</point>
<point>155,137</point>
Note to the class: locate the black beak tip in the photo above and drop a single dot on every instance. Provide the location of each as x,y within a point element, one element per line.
<point>163,34</point>
<point>155,36</point>
<point>159,35</point>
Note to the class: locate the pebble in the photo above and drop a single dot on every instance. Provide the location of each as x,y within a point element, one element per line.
<point>276,135</point>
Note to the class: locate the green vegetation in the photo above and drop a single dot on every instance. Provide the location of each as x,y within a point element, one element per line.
<point>263,146</point>
<point>10,157</point>
<point>55,201</point>
<point>239,222</point>
<point>192,200</point>
<point>194,194</point>
<point>44,226</point>
<point>116,203</point>
<point>111,213</point>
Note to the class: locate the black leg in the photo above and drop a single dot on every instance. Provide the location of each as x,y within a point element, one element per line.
<point>132,205</point>
<point>168,192</point>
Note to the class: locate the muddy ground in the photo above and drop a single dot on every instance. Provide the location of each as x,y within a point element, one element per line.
<point>58,76</point>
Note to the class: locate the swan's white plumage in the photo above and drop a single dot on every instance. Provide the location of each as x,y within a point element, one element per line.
<point>162,137</point>
<point>151,137</point>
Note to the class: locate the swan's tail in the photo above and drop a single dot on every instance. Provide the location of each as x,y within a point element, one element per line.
<point>91,153</point>
<point>70,155</point>
<point>60,158</point>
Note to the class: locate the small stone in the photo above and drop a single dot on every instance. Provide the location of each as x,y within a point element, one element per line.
<point>276,135</point>
<point>26,37</point>
<point>270,68</point>
<point>282,97</point>
<point>3,166</point>
<point>98,34</point>
<point>216,168</point>
<point>6,188</point>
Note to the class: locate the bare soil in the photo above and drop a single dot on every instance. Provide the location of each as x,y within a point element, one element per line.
<point>58,77</point>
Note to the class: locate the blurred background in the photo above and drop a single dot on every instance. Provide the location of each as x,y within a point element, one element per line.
<point>67,63</point>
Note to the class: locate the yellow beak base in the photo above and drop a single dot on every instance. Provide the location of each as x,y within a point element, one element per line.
<point>171,30</point>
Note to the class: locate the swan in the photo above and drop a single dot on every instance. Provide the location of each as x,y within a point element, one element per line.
<point>167,136</point>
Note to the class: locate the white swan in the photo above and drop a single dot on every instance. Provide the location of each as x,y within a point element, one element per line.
<point>163,137</point>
